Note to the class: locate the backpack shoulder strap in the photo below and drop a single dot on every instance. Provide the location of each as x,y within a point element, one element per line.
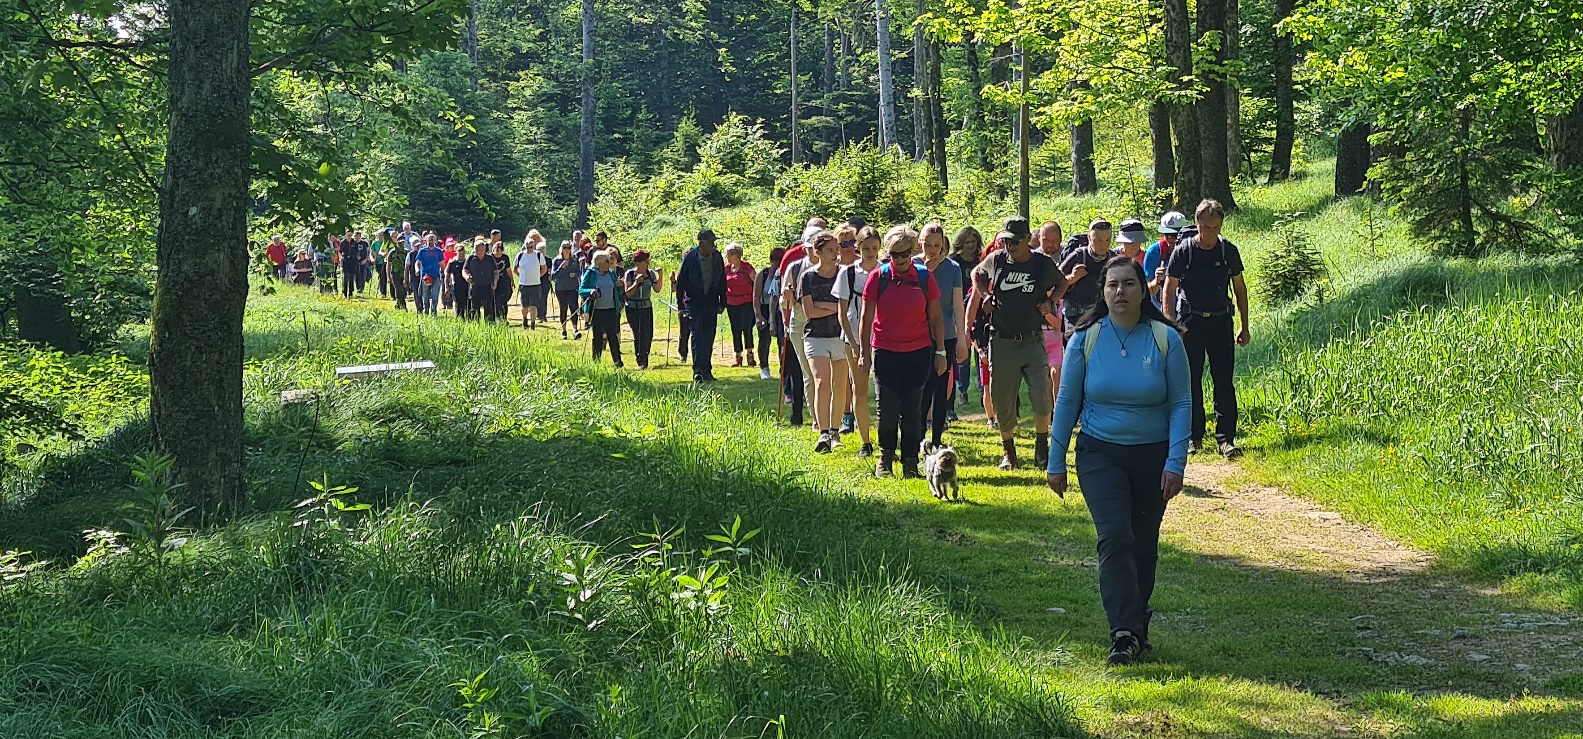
<point>1090,340</point>
<point>1161,340</point>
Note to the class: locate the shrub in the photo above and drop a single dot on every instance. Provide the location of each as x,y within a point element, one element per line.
<point>1294,266</point>
<point>740,148</point>
<point>863,180</point>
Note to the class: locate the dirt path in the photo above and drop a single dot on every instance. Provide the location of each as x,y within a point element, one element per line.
<point>1414,615</point>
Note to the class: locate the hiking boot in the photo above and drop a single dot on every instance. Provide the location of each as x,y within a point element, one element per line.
<point>823,447</point>
<point>563,334</point>
<point>848,423</point>
<point>909,471</point>
<point>578,336</point>
<point>1008,457</point>
<point>883,468</point>
<point>835,440</point>
<point>738,362</point>
<point>1230,450</point>
<point>866,451</point>
<point>992,423</point>
<point>1194,446</point>
<point>796,420</point>
<point>1041,452</point>
<point>950,415</point>
<point>1124,649</point>
<point>752,363</point>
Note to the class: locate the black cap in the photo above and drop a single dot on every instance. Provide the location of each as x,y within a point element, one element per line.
<point>1017,226</point>
<point>706,235</point>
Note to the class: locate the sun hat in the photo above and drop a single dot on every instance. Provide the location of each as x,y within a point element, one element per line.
<point>1173,222</point>
<point>1132,232</point>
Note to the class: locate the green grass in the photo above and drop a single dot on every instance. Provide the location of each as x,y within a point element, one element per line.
<point>520,475</point>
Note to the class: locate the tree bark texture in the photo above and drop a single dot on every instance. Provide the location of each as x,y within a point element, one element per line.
<point>1084,180</point>
<point>795,144</point>
<point>195,347</point>
<point>938,131</point>
<point>585,138</point>
<point>1285,115</point>
<point>470,42</point>
<point>1023,158</point>
<point>920,86</point>
<point>1160,140</point>
<point>975,106</point>
<point>1184,120</point>
<point>887,83</point>
<point>845,78</point>
<point>1233,91</point>
<point>827,79</point>
<point>1215,173</point>
<point>1352,159</point>
<point>1564,139</point>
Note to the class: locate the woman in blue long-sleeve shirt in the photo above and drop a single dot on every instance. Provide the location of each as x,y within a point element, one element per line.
<point>1125,373</point>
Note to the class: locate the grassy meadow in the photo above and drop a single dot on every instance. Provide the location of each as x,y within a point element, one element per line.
<point>551,547</point>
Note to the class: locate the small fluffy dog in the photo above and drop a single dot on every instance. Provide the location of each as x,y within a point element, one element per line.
<point>939,467</point>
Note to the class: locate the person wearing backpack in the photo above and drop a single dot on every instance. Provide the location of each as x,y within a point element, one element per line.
<point>849,290</point>
<point>902,337</point>
<point>1016,287</point>
<point>1126,376</point>
<point>1201,270</point>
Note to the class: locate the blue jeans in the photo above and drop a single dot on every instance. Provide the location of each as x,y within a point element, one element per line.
<point>429,297</point>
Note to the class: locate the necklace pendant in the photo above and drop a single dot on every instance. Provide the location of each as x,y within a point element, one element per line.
<point>1124,352</point>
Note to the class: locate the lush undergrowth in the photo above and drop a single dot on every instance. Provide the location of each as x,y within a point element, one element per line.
<point>1437,398</point>
<point>535,559</point>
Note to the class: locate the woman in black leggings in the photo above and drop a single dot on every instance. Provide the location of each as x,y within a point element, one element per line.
<point>766,292</point>
<point>740,298</point>
<point>565,276</point>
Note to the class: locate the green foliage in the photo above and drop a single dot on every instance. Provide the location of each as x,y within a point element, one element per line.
<point>862,180</point>
<point>155,530</point>
<point>739,148</point>
<point>1294,267</point>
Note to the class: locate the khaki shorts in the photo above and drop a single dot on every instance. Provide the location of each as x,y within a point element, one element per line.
<point>1011,363</point>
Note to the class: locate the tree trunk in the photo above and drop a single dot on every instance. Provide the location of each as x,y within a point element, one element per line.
<point>1233,91</point>
<point>195,346</point>
<point>920,85</point>
<point>1084,181</point>
<point>585,138</point>
<point>937,128</point>
<point>1215,173</point>
<point>887,89</point>
<point>470,41</point>
<point>1184,121</point>
<point>827,79</point>
<point>1285,116</point>
<point>1464,188</point>
<point>1023,160</point>
<point>845,77</point>
<point>975,111</point>
<point>1564,139</point>
<point>1352,159</point>
<point>43,317</point>
<point>794,112</point>
<point>1160,139</point>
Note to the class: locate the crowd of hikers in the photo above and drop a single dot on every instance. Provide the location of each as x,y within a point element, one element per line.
<point>1108,331</point>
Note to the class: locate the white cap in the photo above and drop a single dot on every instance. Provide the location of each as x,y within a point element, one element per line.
<point>1173,222</point>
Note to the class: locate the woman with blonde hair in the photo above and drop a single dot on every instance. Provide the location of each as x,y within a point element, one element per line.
<point>822,339</point>
<point>604,296</point>
<point>903,340</point>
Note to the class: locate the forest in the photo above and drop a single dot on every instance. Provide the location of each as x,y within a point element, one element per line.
<point>207,530</point>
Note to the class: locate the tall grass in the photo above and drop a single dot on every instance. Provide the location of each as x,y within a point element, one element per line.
<point>534,561</point>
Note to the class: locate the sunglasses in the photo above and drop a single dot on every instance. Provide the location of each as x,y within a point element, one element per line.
<point>848,244</point>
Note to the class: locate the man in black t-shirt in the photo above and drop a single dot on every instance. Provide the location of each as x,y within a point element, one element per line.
<point>1017,287</point>
<point>1201,271</point>
<point>1084,270</point>
<point>353,252</point>
<point>481,271</point>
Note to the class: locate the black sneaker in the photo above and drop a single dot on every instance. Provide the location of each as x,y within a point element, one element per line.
<point>563,334</point>
<point>950,415</point>
<point>1194,446</point>
<point>866,451</point>
<point>848,423</point>
<point>1124,649</point>
<point>1008,462</point>
<point>883,468</point>
<point>1230,450</point>
<point>578,336</point>
<point>909,471</point>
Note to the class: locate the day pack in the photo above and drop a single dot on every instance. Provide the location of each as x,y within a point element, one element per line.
<point>1091,338</point>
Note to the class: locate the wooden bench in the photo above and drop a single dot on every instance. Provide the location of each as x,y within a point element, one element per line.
<point>369,370</point>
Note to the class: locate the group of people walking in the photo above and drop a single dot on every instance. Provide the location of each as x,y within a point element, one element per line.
<point>1109,331</point>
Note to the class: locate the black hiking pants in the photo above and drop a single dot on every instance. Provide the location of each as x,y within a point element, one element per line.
<point>901,377</point>
<point>1214,339</point>
<point>1121,485</point>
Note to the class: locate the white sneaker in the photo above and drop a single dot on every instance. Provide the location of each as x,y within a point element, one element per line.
<point>764,374</point>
